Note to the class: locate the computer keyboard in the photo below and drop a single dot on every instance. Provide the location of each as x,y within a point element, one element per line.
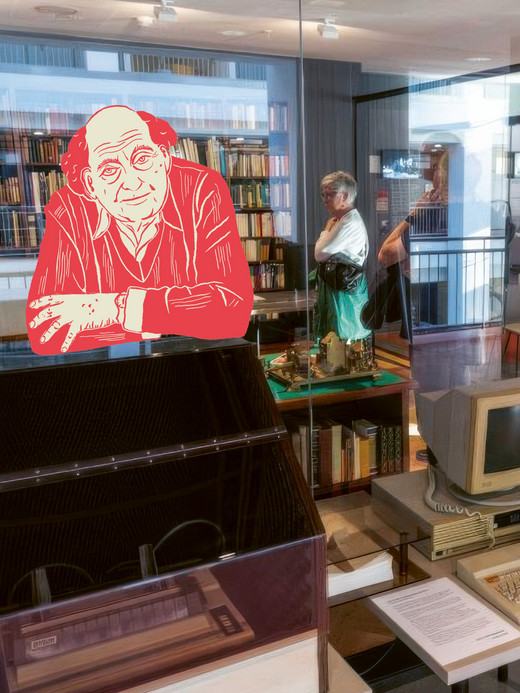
<point>495,575</point>
<point>506,584</point>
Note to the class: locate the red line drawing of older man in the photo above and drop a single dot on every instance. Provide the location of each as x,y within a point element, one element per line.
<point>137,244</point>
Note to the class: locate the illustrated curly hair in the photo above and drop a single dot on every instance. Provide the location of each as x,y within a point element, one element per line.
<point>75,161</point>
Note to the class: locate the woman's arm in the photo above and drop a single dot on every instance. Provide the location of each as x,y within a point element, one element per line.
<point>328,234</point>
<point>393,250</point>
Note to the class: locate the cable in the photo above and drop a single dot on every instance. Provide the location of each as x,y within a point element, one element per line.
<point>452,509</point>
<point>490,500</point>
<point>378,661</point>
<point>48,565</point>
<point>182,525</point>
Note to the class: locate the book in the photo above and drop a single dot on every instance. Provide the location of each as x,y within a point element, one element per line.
<point>355,472</point>
<point>304,452</point>
<point>337,433</point>
<point>325,475</point>
<point>364,457</point>
<point>398,449</point>
<point>364,427</point>
<point>348,455</point>
<point>315,453</point>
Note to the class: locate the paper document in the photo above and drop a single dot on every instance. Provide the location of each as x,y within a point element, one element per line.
<point>358,573</point>
<point>445,620</point>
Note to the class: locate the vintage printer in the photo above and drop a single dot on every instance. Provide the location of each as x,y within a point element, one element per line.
<point>155,526</point>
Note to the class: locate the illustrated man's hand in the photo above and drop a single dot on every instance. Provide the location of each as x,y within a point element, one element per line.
<point>81,312</point>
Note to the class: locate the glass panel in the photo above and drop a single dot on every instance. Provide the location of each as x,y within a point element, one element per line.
<point>235,114</point>
<point>217,519</point>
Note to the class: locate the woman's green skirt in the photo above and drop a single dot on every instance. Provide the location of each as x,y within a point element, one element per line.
<point>339,311</point>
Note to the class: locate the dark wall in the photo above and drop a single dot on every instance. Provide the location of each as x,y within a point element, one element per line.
<point>342,134</point>
<point>329,125</point>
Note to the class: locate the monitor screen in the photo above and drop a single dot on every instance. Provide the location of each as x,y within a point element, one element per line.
<point>502,439</point>
<point>401,163</point>
<point>474,433</point>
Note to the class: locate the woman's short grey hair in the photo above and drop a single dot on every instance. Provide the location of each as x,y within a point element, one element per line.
<point>341,181</point>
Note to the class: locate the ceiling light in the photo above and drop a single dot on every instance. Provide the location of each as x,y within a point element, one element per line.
<point>328,29</point>
<point>233,32</point>
<point>57,12</point>
<point>144,20</point>
<point>480,59</point>
<point>37,132</point>
<point>437,145</point>
<point>165,12</point>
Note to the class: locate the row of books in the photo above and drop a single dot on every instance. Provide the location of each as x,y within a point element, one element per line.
<point>44,151</point>
<point>337,453</point>
<point>282,224</point>
<point>255,225</point>
<point>253,194</point>
<point>46,119</point>
<point>278,117</point>
<point>247,161</point>
<point>187,148</point>
<point>42,184</point>
<point>262,249</point>
<point>264,224</point>
<point>20,229</point>
<point>278,165</point>
<point>280,194</point>
<point>9,191</point>
<point>183,115</point>
<point>7,152</point>
<point>216,115</point>
<point>247,164</point>
<point>215,155</point>
<point>265,277</point>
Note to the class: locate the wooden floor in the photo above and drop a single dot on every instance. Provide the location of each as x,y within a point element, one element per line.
<point>436,362</point>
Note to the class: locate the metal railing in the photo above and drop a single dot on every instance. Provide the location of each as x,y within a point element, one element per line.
<point>429,220</point>
<point>457,287</point>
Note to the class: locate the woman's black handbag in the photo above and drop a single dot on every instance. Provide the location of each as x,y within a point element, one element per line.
<point>341,275</point>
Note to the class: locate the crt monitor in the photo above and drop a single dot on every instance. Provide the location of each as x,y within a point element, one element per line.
<point>474,434</point>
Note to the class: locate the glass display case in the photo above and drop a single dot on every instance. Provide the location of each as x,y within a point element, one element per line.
<point>357,539</point>
<point>156,522</point>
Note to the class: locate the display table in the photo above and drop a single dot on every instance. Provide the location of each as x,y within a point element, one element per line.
<point>457,673</point>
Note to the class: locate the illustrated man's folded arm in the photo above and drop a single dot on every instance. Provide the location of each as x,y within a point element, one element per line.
<point>217,304</point>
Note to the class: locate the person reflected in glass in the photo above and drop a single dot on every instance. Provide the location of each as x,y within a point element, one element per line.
<point>341,252</point>
<point>428,216</point>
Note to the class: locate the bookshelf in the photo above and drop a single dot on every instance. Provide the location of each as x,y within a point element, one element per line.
<point>336,408</point>
<point>259,183</point>
<point>30,173</point>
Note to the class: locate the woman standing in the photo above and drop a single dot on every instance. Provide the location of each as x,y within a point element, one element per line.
<point>341,251</point>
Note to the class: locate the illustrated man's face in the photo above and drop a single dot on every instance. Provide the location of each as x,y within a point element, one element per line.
<point>127,171</point>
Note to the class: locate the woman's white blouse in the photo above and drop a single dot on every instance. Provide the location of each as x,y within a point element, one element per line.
<point>348,236</point>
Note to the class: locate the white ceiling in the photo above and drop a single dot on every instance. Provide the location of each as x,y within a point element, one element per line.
<point>422,37</point>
